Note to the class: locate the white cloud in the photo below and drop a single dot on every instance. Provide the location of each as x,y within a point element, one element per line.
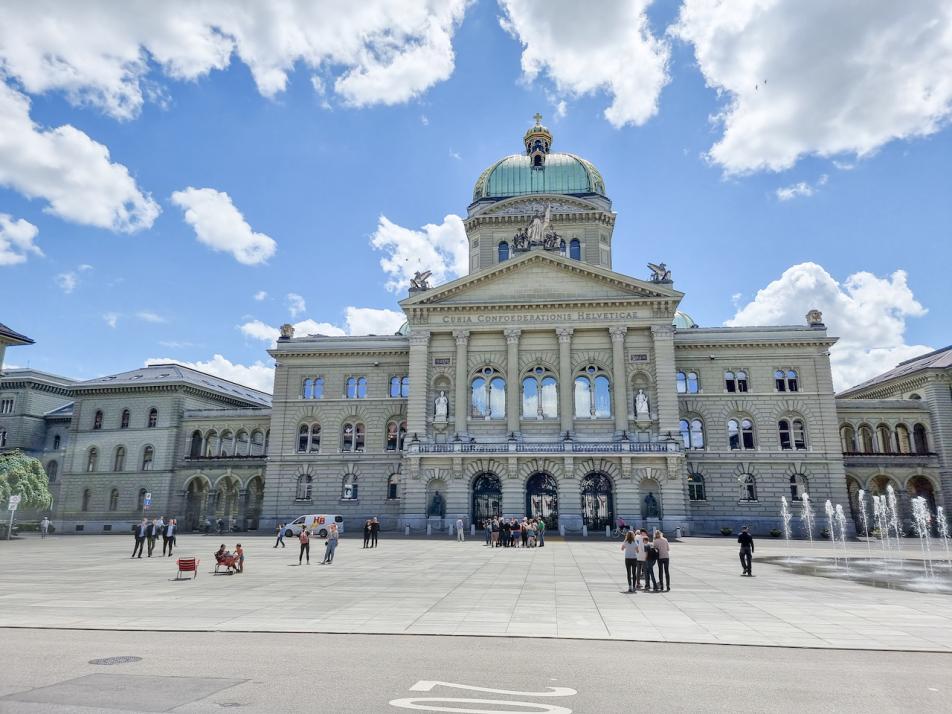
<point>441,248</point>
<point>101,52</point>
<point>257,375</point>
<point>424,120</point>
<point>583,51</point>
<point>358,321</point>
<point>111,319</point>
<point>796,190</point>
<point>149,316</point>
<point>258,330</point>
<point>260,295</point>
<point>866,312</point>
<point>455,155</point>
<point>826,78</point>
<point>67,281</point>
<point>16,240</point>
<point>67,169</point>
<point>219,225</point>
<point>296,304</point>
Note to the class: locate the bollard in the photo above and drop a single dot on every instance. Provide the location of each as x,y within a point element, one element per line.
<point>406,530</point>
<point>585,531</point>
<point>472,529</point>
<point>429,529</point>
<point>608,531</point>
<point>561,530</point>
<point>677,533</point>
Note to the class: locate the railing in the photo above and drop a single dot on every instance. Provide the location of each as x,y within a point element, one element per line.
<point>224,457</point>
<point>906,455</point>
<point>550,447</point>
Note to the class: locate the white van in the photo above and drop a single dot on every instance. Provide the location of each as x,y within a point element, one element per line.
<point>315,523</point>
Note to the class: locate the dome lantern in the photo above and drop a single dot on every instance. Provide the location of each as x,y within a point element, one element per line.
<point>538,141</point>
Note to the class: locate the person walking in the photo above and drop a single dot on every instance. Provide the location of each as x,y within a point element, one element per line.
<point>305,541</point>
<point>171,532</point>
<point>540,532</point>
<point>630,549</point>
<point>139,531</point>
<point>651,557</point>
<point>746,541</point>
<point>331,546</point>
<point>151,531</point>
<point>664,558</point>
<point>367,533</point>
<point>280,540</point>
<point>374,530</point>
<point>459,530</point>
<point>44,527</point>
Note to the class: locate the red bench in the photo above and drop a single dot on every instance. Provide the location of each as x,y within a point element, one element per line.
<point>187,565</point>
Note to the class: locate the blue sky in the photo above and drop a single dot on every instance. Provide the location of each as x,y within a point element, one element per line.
<point>821,191</point>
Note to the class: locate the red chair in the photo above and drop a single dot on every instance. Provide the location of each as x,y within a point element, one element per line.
<point>187,565</point>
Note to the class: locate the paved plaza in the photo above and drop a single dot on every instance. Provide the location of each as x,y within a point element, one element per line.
<point>436,586</point>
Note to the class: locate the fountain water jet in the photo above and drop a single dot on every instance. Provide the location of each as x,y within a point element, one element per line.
<point>807,516</point>
<point>894,515</point>
<point>920,515</point>
<point>862,510</point>
<point>943,527</point>
<point>840,517</point>
<point>830,517</point>
<point>785,515</point>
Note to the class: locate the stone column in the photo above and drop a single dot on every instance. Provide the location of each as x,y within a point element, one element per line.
<point>619,378</point>
<point>513,498</point>
<point>419,389</point>
<point>461,405</point>
<point>512,380</point>
<point>566,406</point>
<point>666,406</point>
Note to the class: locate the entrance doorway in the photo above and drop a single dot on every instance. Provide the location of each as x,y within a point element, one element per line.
<point>487,498</point>
<point>598,507</point>
<point>542,499</point>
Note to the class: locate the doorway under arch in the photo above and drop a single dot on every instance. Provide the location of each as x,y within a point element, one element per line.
<point>196,503</point>
<point>487,498</point>
<point>542,498</point>
<point>598,502</point>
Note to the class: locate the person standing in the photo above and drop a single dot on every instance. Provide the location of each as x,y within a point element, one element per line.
<point>540,532</point>
<point>495,529</point>
<point>240,558</point>
<point>374,530</point>
<point>488,528</point>
<point>280,539</point>
<point>160,531</point>
<point>641,555</point>
<point>746,541</point>
<point>151,531</point>
<point>651,557</point>
<point>367,533</point>
<point>664,558</point>
<point>305,541</point>
<point>331,546</point>
<point>44,527</point>
<point>221,526</point>
<point>630,548</point>
<point>171,531</point>
<point>139,532</point>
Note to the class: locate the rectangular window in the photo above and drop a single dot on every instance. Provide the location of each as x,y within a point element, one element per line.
<point>6,406</point>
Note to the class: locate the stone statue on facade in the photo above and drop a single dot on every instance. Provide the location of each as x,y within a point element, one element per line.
<point>659,273</point>
<point>287,331</point>
<point>437,505</point>
<point>520,241</point>
<point>641,405</point>
<point>539,233</point>
<point>651,506</point>
<point>814,317</point>
<point>421,280</point>
<point>442,406</point>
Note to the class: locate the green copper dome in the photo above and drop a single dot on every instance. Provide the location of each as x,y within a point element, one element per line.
<point>560,173</point>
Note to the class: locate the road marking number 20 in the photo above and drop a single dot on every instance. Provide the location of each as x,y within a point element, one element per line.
<point>436,704</point>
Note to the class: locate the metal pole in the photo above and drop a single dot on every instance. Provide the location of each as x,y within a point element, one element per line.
<point>10,527</point>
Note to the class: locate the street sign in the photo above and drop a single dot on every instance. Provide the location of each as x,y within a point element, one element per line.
<point>14,502</point>
<point>147,501</point>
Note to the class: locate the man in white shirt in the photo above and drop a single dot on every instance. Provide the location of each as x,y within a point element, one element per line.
<point>44,527</point>
<point>459,530</point>
<point>170,531</point>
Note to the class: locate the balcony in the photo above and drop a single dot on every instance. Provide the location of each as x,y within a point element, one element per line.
<point>549,447</point>
<point>892,458</point>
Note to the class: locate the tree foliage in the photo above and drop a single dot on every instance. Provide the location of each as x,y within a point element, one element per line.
<point>24,476</point>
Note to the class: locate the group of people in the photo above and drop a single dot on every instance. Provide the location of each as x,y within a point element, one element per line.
<point>232,561</point>
<point>641,556</point>
<point>304,538</point>
<point>502,533</point>
<point>147,532</point>
<point>371,529</point>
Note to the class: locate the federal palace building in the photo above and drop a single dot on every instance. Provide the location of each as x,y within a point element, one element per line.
<point>541,383</point>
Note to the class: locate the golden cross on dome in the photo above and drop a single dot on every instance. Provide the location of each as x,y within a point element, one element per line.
<point>538,118</point>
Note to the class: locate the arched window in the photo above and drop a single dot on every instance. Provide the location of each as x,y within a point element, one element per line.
<point>356,388</point>
<point>798,487</point>
<point>696,487</point>
<point>488,394</point>
<point>740,434</point>
<point>847,439</point>
<point>51,469</point>
<point>405,387</point>
<point>399,387</point>
<point>575,249</point>
<point>903,445</point>
<point>884,436</point>
<point>692,433</point>
<point>87,495</point>
<point>153,418</point>
<point>394,386</point>
<point>313,388</point>
<point>592,394</point>
<point>57,440</point>
<point>729,384</point>
<point>148,454</point>
<point>393,487</point>
<point>866,440</point>
<point>348,491</point>
<point>742,381</point>
<point>195,447</point>
<point>735,381</point>
<point>227,444</point>
<point>302,437</point>
<point>119,461</point>
<point>692,383</point>
<point>352,437</point>
<point>540,395</point>
<point>257,443</point>
<point>309,438</point>
<point>792,434</point>
<point>211,443</point>
<point>91,459</point>
<point>793,384</point>
<point>786,380</point>
<point>243,446</point>
<point>681,383</point>
<point>124,420</point>
<point>748,487</point>
<point>307,392</point>
<point>97,419</point>
<point>396,435</point>
<point>921,439</point>
<point>114,499</point>
<point>359,437</point>
<point>303,492</point>
<point>503,251</point>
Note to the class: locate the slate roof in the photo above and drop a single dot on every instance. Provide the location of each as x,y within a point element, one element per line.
<point>27,374</point>
<point>157,374</point>
<point>61,412</point>
<point>940,359</point>
<point>16,337</point>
